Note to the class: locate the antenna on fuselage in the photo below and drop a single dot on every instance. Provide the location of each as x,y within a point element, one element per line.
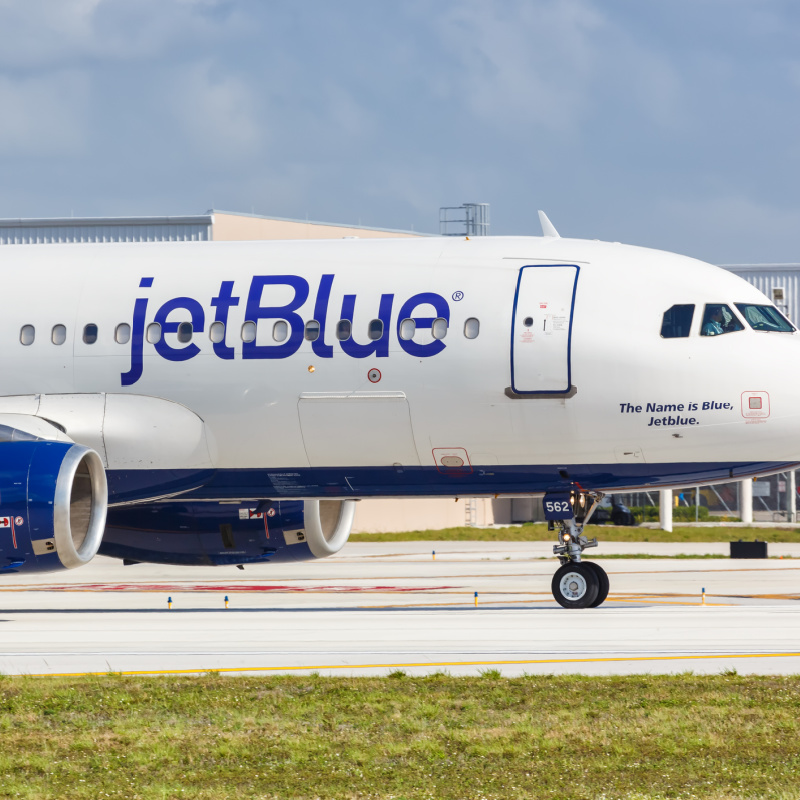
<point>548,229</point>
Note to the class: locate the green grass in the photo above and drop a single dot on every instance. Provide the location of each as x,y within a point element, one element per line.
<point>565,737</point>
<point>624,556</point>
<point>536,532</point>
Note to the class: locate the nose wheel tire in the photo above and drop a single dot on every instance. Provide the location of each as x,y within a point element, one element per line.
<point>602,577</point>
<point>576,585</point>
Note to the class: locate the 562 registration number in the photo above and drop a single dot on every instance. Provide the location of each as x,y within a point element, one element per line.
<point>557,506</point>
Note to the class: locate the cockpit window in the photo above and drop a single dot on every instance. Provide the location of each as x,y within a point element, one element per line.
<point>677,322</point>
<point>718,319</point>
<point>765,318</point>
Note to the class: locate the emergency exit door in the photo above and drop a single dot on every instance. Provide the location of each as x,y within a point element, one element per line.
<point>541,336</point>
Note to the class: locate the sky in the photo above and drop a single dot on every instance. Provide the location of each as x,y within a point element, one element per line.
<point>668,123</point>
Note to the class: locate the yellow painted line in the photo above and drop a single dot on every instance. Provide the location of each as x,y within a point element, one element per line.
<point>419,664</point>
<point>666,602</point>
<point>462,603</point>
<point>771,567</point>
<point>611,598</point>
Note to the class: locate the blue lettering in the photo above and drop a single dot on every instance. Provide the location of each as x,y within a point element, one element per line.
<point>380,347</point>
<point>198,326</point>
<point>137,337</point>
<point>320,315</point>
<point>442,310</point>
<point>255,311</point>
<point>223,302</point>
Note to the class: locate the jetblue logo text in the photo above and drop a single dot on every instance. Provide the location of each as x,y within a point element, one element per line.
<point>257,307</point>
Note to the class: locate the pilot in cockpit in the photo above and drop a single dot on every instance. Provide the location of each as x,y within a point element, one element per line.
<point>718,318</point>
<point>712,324</point>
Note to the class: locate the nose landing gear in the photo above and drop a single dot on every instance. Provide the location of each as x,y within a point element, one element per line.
<point>577,583</point>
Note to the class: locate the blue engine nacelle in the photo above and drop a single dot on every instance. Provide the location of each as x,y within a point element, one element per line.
<point>217,534</point>
<point>53,500</point>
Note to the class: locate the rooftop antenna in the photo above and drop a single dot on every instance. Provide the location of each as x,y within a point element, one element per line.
<point>548,229</point>
<point>474,217</point>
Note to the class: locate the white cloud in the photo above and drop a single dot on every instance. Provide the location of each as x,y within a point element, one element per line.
<point>522,62</point>
<point>744,230</point>
<point>217,114</point>
<point>42,33</point>
<point>554,64</point>
<point>43,116</point>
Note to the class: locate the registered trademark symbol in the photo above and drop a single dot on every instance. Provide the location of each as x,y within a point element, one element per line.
<point>458,296</point>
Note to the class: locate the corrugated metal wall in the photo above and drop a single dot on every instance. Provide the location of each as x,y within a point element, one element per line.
<point>156,229</point>
<point>768,277</point>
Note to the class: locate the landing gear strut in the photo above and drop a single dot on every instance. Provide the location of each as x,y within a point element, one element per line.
<point>577,583</point>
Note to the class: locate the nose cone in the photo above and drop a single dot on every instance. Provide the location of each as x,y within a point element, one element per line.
<point>767,396</point>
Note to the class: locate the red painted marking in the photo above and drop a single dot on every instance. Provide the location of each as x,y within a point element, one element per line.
<point>239,587</point>
<point>8,522</point>
<point>437,453</point>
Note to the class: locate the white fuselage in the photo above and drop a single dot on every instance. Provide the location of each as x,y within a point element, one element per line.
<point>632,403</point>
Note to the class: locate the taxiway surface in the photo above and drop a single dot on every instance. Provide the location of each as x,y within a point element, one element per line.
<point>379,607</point>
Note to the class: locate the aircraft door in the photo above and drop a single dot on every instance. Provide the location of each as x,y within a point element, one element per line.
<point>541,335</point>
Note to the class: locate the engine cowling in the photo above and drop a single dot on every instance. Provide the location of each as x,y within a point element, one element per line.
<point>53,501</point>
<point>216,534</point>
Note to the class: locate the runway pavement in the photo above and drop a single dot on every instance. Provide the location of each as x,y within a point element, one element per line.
<point>379,607</point>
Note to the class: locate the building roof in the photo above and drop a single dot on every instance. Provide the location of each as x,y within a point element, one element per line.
<point>214,224</point>
<point>787,267</point>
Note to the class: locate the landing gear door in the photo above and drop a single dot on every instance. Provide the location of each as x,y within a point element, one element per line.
<point>541,336</point>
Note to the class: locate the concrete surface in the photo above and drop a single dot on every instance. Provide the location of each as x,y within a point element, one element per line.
<point>377,607</point>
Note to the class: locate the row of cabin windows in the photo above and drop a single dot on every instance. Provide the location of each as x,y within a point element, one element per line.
<point>718,318</point>
<point>280,331</point>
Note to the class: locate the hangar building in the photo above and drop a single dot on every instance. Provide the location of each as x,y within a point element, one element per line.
<point>779,282</point>
<point>214,225</point>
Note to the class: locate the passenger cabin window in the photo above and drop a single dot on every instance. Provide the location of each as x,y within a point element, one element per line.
<point>343,329</point>
<point>312,330</point>
<point>122,333</point>
<point>472,327</point>
<point>718,319</point>
<point>27,334</point>
<point>59,334</point>
<point>217,332</point>
<point>765,318</point>
<point>677,322</point>
<point>407,329</point>
<point>280,330</point>
<point>439,328</point>
<point>249,332</point>
<point>375,330</point>
<point>153,333</point>
<point>90,333</point>
<point>185,332</point>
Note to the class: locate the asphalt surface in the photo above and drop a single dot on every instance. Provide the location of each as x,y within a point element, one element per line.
<point>378,607</point>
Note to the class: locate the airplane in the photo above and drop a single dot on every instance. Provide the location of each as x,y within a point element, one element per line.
<point>229,403</point>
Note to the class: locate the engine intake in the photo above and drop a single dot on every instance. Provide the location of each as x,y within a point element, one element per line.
<point>217,534</point>
<point>53,502</point>
<point>328,524</point>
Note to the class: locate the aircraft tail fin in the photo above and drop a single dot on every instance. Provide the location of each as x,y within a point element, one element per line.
<point>548,229</point>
